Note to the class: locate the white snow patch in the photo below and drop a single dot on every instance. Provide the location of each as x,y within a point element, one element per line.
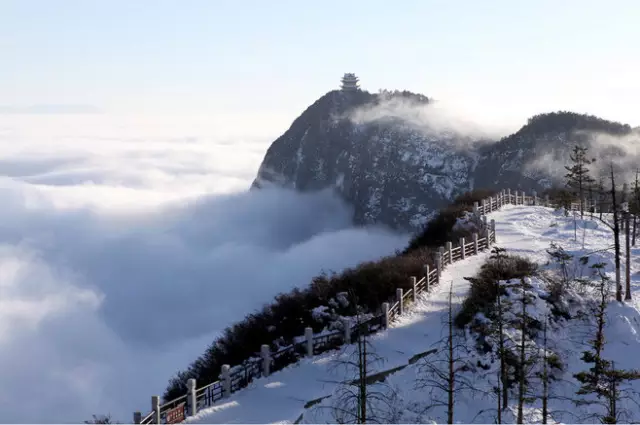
<point>526,231</point>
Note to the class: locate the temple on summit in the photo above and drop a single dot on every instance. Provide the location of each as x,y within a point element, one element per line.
<point>350,82</point>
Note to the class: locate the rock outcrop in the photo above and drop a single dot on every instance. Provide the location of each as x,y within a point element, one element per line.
<point>397,173</point>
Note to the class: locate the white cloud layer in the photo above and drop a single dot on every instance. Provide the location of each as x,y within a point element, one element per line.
<point>600,148</point>
<point>437,118</point>
<point>125,248</point>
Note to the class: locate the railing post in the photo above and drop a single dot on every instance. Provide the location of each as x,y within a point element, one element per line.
<point>427,272</point>
<point>449,248</point>
<point>516,197</point>
<point>462,253</point>
<point>475,209</point>
<point>225,377</point>
<point>137,417</point>
<point>414,285</point>
<point>400,303</point>
<point>487,233</point>
<point>493,229</point>
<point>484,206</point>
<point>265,353</point>
<point>308,335</point>
<point>535,197</point>
<point>475,243</point>
<point>508,196</point>
<point>385,313</point>
<point>155,408</point>
<point>193,403</point>
<point>438,269</point>
<point>346,324</point>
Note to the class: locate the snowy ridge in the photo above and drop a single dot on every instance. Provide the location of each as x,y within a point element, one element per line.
<point>285,397</point>
<point>240,376</point>
<point>289,395</point>
<point>237,377</point>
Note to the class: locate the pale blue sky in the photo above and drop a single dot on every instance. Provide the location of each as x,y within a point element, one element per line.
<point>494,58</point>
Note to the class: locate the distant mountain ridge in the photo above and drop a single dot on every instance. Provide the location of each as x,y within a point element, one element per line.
<point>397,174</point>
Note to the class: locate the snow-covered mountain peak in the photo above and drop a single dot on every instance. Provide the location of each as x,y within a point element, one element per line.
<point>397,157</point>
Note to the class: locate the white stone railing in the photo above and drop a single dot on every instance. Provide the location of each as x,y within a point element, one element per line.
<point>235,378</point>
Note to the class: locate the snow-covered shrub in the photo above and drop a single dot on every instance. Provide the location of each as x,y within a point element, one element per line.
<point>321,306</point>
<point>484,285</point>
<point>327,300</point>
<point>445,226</point>
<point>468,223</point>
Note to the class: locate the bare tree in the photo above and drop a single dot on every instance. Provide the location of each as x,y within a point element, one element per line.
<point>499,397</point>
<point>627,244</point>
<point>602,194</point>
<point>502,351</point>
<point>615,226</point>
<point>442,376</point>
<point>616,234</point>
<point>527,354</point>
<point>545,373</point>
<point>592,201</point>
<point>524,361</point>
<point>356,400</point>
<point>634,206</point>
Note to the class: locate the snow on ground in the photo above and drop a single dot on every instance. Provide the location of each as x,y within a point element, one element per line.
<point>527,231</point>
<point>282,396</point>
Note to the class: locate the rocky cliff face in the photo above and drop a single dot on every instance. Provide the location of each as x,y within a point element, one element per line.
<point>396,173</point>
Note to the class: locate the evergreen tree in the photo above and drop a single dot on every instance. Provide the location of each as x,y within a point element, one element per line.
<point>603,380</point>
<point>578,177</point>
<point>590,379</point>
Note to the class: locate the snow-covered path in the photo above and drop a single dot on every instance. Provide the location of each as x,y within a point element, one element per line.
<point>281,398</point>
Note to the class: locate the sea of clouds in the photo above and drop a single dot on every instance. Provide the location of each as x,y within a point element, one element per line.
<point>128,243</point>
